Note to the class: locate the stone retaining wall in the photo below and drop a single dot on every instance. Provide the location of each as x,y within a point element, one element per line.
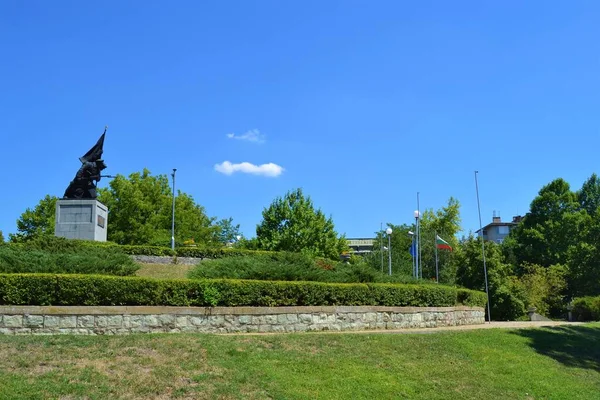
<point>51,320</point>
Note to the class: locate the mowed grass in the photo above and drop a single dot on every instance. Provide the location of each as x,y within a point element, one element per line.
<point>549,363</point>
<point>163,271</point>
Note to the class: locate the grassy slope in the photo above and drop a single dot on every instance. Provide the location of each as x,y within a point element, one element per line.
<point>557,363</point>
<point>163,271</point>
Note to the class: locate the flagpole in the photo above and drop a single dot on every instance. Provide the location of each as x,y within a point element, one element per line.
<point>483,251</point>
<point>436,258</point>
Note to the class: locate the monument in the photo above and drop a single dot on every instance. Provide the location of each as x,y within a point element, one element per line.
<point>78,214</point>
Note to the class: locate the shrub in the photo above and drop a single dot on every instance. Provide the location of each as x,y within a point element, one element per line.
<point>285,266</point>
<point>586,308</point>
<point>471,298</point>
<point>58,255</point>
<point>92,290</point>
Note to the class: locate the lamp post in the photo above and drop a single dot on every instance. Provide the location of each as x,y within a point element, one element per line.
<point>389,235</point>
<point>173,215</point>
<point>412,251</point>
<point>417,215</point>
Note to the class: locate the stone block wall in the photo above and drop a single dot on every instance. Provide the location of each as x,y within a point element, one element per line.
<point>52,320</point>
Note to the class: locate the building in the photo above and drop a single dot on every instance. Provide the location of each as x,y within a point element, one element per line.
<point>360,246</point>
<point>498,230</point>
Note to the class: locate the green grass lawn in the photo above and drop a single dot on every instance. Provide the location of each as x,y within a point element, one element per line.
<point>549,363</point>
<point>163,271</point>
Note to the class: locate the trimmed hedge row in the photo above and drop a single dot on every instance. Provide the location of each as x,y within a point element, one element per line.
<point>96,290</point>
<point>471,298</point>
<point>586,309</point>
<point>22,259</point>
<point>197,252</point>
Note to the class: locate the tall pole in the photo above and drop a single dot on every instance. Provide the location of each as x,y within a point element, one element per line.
<point>413,246</point>
<point>437,278</point>
<point>389,254</point>
<point>483,250</point>
<point>381,243</point>
<point>173,215</point>
<point>419,266</point>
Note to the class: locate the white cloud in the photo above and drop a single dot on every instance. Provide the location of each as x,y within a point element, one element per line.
<point>253,135</point>
<point>271,170</point>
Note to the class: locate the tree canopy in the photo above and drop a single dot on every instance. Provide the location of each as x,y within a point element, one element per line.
<point>140,212</point>
<point>291,223</point>
<point>36,222</point>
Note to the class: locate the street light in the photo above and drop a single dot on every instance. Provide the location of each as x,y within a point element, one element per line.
<point>412,250</point>
<point>389,235</point>
<point>173,215</point>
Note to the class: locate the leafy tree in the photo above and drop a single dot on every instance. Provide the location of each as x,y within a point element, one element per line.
<point>1,237</point>
<point>507,300</point>
<point>584,261</point>
<point>589,194</point>
<point>400,242</point>
<point>36,222</point>
<point>228,232</point>
<point>446,223</point>
<point>140,212</point>
<point>555,223</point>
<point>291,223</point>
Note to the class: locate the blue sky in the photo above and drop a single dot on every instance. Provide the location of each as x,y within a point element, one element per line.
<point>362,103</point>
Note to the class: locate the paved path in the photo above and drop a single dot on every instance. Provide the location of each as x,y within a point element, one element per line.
<point>492,325</point>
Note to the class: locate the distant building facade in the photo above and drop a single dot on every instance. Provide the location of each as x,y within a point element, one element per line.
<point>498,230</point>
<point>360,246</point>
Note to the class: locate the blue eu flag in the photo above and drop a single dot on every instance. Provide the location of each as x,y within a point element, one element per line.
<point>413,249</point>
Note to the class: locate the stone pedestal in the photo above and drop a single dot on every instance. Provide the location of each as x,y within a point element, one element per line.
<point>81,219</point>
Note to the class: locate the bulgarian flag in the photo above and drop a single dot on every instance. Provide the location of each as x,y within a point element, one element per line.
<point>442,244</point>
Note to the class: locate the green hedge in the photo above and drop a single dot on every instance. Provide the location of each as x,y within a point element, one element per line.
<point>286,266</point>
<point>586,309</point>
<point>65,258</point>
<point>471,298</point>
<point>197,252</point>
<point>91,290</point>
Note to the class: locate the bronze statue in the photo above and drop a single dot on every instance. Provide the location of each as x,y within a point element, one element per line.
<point>83,186</point>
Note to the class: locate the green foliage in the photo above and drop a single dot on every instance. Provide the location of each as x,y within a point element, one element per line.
<point>36,222</point>
<point>91,290</point>
<point>228,232</point>
<point>56,255</point>
<point>285,266</point>
<point>506,298</point>
<point>586,308</point>
<point>554,224</point>
<point>471,298</point>
<point>543,288</point>
<point>291,223</point>
<point>445,221</point>
<point>140,212</point>
<point>589,194</point>
<point>399,241</point>
<point>1,238</point>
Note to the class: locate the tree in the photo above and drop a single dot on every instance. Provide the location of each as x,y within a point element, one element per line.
<point>1,237</point>
<point>291,223</point>
<point>228,232</point>
<point>507,300</point>
<point>36,222</point>
<point>140,212</point>
<point>554,224</point>
<point>400,242</point>
<point>589,194</point>
<point>444,222</point>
